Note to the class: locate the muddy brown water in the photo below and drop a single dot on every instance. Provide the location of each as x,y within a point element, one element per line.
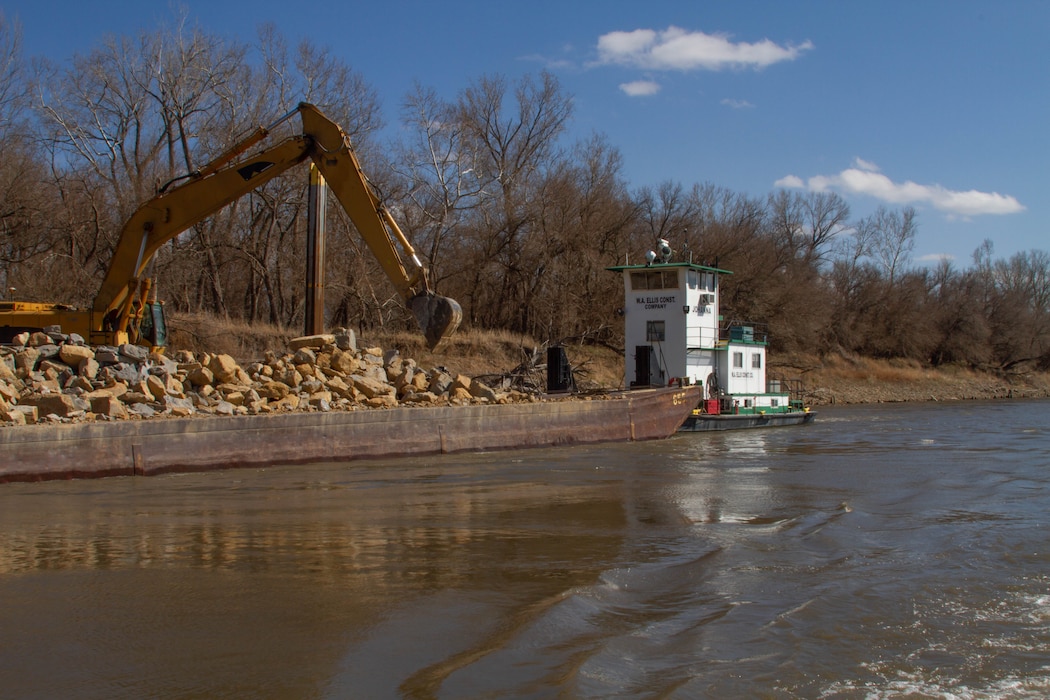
<point>882,552</point>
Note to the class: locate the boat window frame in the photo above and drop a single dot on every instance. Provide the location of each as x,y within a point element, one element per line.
<point>644,280</point>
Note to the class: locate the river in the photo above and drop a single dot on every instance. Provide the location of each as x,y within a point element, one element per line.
<point>890,551</point>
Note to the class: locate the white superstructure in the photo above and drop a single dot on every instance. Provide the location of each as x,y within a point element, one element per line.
<point>674,333</point>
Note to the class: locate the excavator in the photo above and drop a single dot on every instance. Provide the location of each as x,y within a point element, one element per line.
<point>126,309</point>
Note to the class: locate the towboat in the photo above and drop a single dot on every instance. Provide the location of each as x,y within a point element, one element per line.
<point>675,335</point>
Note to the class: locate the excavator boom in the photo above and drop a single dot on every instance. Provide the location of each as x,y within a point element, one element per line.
<point>170,213</point>
<point>224,180</point>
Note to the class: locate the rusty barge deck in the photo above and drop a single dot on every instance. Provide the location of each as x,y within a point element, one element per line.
<point>125,448</point>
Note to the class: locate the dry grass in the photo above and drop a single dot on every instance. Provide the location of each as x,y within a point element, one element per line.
<point>842,379</point>
<point>875,371</point>
<point>204,333</point>
<point>832,379</point>
<point>472,352</point>
<point>481,352</point>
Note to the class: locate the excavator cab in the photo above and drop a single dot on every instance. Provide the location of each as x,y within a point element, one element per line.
<point>153,329</point>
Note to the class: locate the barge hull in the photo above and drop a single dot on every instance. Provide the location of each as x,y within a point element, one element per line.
<point>41,452</point>
<point>708,422</point>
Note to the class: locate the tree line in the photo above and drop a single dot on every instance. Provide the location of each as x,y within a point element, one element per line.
<point>512,219</point>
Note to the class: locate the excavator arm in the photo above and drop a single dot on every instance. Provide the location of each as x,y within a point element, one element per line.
<point>437,316</point>
<point>124,290</point>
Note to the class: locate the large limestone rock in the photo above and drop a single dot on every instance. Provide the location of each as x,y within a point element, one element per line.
<point>26,359</point>
<point>440,382</point>
<point>177,406</point>
<point>461,381</point>
<point>155,386</point>
<point>200,376</point>
<point>133,353</point>
<point>57,404</point>
<point>11,414</point>
<point>274,390</point>
<point>89,368</point>
<point>109,406</point>
<point>344,361</point>
<point>37,339</point>
<point>73,355</point>
<point>458,393</point>
<point>224,367</point>
<point>339,387</point>
<point>8,392</point>
<point>483,392</point>
<point>311,341</point>
<point>304,356</point>
<point>372,388</point>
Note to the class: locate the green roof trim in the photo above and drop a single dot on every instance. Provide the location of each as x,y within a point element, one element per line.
<point>654,266</point>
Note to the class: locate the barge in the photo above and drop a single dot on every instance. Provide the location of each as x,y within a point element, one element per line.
<point>137,447</point>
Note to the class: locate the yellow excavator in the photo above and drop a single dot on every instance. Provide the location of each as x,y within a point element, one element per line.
<point>126,309</point>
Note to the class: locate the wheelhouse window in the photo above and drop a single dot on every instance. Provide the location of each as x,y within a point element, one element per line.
<point>738,359</point>
<point>756,361</point>
<point>654,279</point>
<point>654,331</point>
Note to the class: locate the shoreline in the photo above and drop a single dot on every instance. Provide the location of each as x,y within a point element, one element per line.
<point>830,387</point>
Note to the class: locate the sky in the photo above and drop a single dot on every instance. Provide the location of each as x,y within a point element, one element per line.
<point>940,105</point>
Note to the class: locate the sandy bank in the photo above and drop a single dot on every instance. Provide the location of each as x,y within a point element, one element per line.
<point>839,381</point>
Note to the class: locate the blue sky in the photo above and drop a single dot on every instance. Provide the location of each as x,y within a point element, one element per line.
<point>939,105</point>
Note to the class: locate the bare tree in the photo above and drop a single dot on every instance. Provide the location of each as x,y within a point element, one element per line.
<point>584,221</point>
<point>26,197</point>
<point>962,333</point>
<point>805,225</point>
<point>892,239</point>
<point>512,145</point>
<point>723,226</point>
<point>1017,306</point>
<point>443,184</point>
<point>512,222</point>
<point>666,211</point>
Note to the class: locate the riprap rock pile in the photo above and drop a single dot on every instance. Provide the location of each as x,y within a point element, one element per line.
<point>53,377</point>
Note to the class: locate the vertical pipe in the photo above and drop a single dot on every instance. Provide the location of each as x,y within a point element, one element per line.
<point>315,235</point>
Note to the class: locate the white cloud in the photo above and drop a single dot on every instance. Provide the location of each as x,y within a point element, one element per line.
<point>935,258</point>
<point>737,104</point>
<point>865,165</point>
<point>865,179</point>
<point>792,182</point>
<point>677,49</point>
<point>640,88</point>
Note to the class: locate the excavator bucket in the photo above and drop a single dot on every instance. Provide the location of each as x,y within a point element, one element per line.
<point>437,316</point>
